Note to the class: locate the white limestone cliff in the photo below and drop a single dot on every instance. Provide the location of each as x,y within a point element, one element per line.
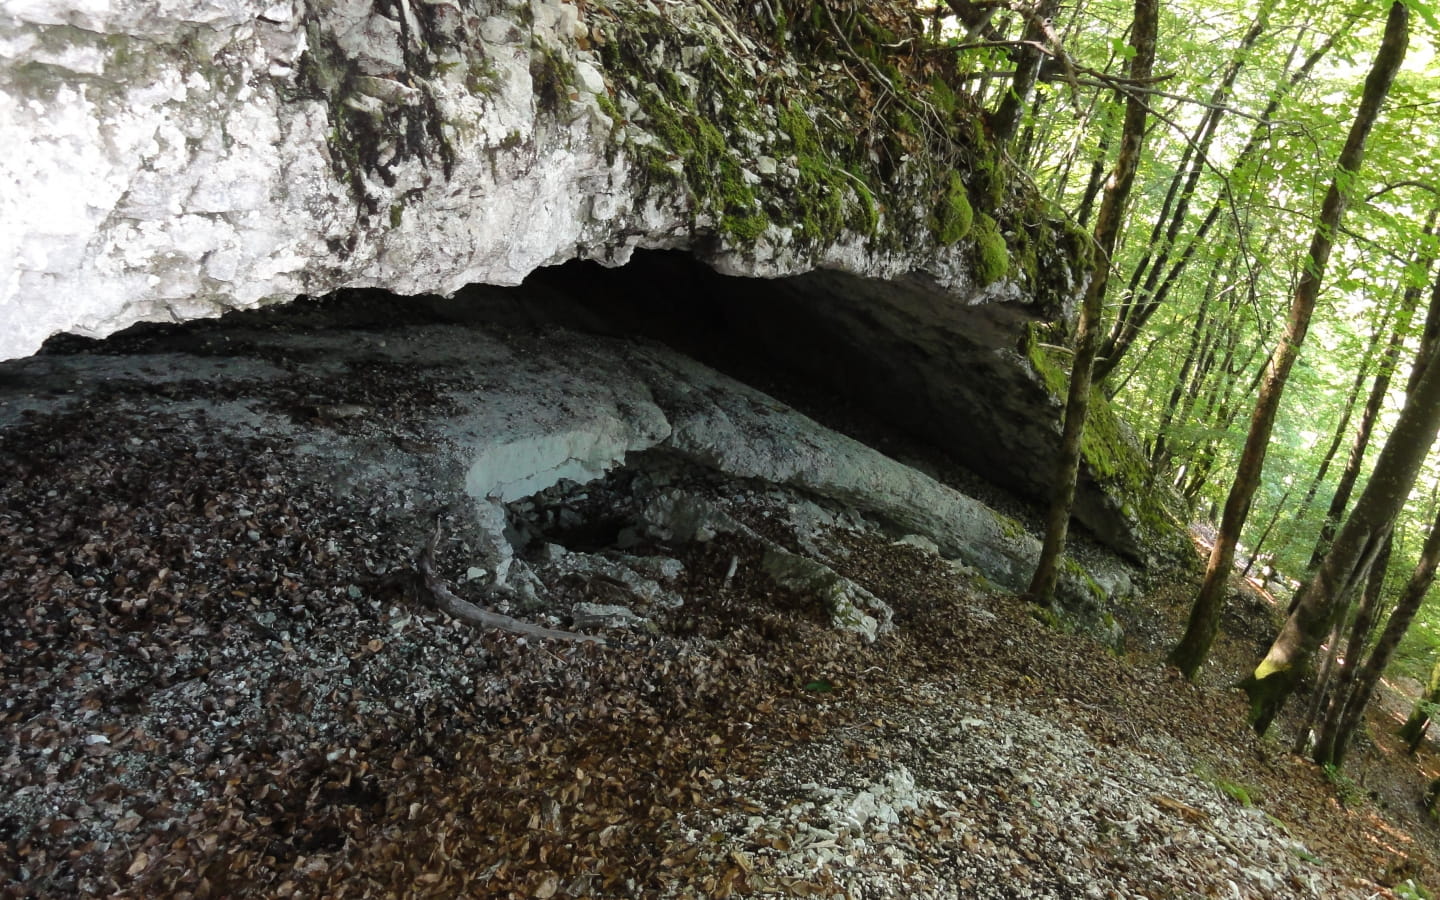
<point>172,159</point>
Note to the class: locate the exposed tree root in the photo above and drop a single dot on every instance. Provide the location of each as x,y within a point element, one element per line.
<point>451,604</point>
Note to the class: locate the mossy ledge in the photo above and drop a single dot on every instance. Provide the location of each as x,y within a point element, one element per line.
<point>423,149</point>
<point>787,136</point>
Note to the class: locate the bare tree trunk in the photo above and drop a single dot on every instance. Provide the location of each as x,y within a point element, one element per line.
<point>1322,690</point>
<point>1259,544</point>
<point>1413,731</point>
<point>1006,120</point>
<point>1107,230</point>
<point>1189,655</point>
<point>1367,526</point>
<point>1097,180</point>
<point>1140,302</point>
<point>1365,618</point>
<point>1129,325</point>
<point>1159,453</point>
<point>1341,428</point>
<point>1400,619</point>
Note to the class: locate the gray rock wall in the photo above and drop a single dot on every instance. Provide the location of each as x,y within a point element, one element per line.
<point>168,161</point>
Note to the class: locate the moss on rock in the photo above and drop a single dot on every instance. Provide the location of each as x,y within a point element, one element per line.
<point>885,146</point>
<point>992,254</point>
<point>1110,457</point>
<point>955,215</point>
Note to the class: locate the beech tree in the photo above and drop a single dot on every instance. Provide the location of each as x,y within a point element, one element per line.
<point>1107,231</point>
<point>1189,655</point>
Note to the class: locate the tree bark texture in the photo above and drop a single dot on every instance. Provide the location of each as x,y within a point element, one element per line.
<point>1366,527</point>
<point>1366,616</point>
<point>1006,120</point>
<point>1338,742</point>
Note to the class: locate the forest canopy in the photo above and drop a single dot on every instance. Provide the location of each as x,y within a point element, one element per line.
<point>1270,298</point>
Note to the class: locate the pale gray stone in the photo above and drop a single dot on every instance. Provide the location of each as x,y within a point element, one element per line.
<point>173,161</point>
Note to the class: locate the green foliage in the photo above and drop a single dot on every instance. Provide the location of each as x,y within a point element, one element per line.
<point>1346,790</point>
<point>1409,889</point>
<point>943,96</point>
<point>1053,619</point>
<point>1243,794</point>
<point>1426,11</point>
<point>1308,857</point>
<point>1236,791</point>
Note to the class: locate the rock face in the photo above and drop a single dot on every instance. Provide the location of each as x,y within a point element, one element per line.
<point>174,161</point>
<point>177,161</point>
<point>971,379</point>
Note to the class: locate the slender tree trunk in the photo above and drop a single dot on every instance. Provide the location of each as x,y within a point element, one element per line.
<point>1259,544</point>
<point>1097,180</point>
<point>1194,646</point>
<point>1006,120</point>
<point>1341,429</point>
<point>1322,690</point>
<point>1413,731</point>
<point>1118,344</point>
<point>1400,619</point>
<point>1225,415</point>
<point>1364,530</point>
<point>1199,332</point>
<point>1107,230</point>
<point>1140,303</point>
<point>1353,464</point>
<point>1360,630</point>
<point>1410,299</point>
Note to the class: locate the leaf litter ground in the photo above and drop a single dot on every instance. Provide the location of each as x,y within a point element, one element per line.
<point>222,679</point>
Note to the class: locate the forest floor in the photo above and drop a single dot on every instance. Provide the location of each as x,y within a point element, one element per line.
<point>221,678</point>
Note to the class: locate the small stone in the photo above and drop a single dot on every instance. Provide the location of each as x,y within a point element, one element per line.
<point>603,615</point>
<point>589,78</point>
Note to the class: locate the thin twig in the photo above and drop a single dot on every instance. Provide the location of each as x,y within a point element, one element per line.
<point>723,23</point>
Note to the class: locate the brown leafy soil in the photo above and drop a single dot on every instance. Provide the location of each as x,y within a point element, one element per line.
<point>221,678</point>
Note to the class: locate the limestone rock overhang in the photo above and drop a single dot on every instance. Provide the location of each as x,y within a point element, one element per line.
<point>194,159</point>
<point>904,354</point>
<point>197,158</point>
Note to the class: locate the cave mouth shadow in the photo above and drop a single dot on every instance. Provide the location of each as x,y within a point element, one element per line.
<point>901,364</point>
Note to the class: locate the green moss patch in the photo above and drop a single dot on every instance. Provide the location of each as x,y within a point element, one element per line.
<point>955,215</point>
<point>885,151</point>
<point>1110,457</point>
<point>362,126</point>
<point>992,255</point>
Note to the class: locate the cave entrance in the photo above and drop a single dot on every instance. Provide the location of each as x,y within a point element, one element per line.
<point>901,365</point>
